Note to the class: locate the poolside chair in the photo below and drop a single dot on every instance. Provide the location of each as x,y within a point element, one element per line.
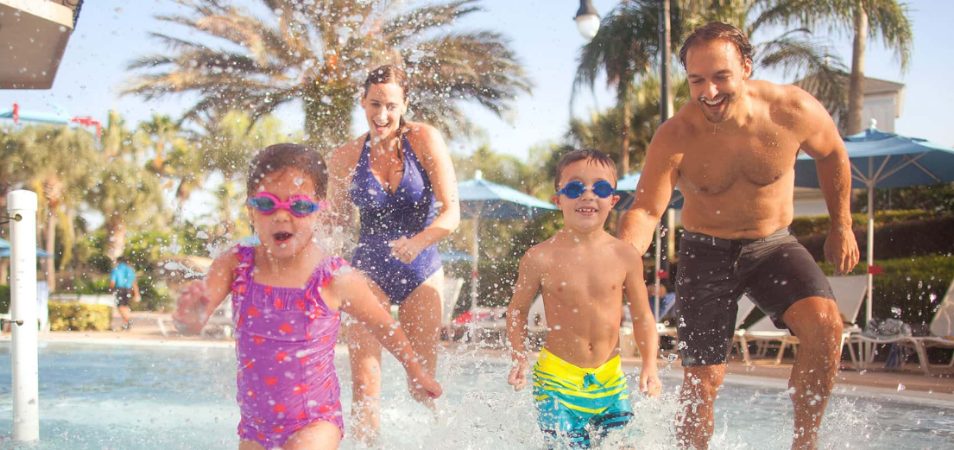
<point>451,294</point>
<point>861,347</point>
<point>849,294</point>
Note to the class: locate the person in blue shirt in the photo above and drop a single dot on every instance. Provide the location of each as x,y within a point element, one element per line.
<point>122,281</point>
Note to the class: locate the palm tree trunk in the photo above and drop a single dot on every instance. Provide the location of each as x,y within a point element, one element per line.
<point>856,95</point>
<point>115,237</point>
<point>50,242</point>
<point>328,114</point>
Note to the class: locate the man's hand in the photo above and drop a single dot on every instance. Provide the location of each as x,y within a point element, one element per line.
<point>841,249</point>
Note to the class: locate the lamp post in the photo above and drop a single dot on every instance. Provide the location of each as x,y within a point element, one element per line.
<point>587,20</point>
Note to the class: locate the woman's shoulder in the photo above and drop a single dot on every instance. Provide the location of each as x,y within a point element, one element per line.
<point>346,156</point>
<point>424,138</point>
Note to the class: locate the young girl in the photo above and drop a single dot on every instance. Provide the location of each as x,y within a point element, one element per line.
<point>286,297</point>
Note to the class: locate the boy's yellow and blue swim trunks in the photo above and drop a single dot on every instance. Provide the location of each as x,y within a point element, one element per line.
<point>572,401</point>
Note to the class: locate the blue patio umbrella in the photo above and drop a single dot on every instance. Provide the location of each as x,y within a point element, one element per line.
<point>17,114</point>
<point>885,160</point>
<point>480,198</point>
<point>5,250</point>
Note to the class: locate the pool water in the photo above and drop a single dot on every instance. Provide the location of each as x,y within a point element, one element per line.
<point>168,396</point>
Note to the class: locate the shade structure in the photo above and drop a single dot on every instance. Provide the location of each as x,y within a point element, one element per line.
<point>885,160</point>
<point>482,199</point>
<point>626,187</point>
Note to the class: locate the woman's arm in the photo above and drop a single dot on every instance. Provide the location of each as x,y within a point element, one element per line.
<point>341,166</point>
<point>435,157</point>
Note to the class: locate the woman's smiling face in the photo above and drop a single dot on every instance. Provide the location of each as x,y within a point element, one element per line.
<point>384,104</point>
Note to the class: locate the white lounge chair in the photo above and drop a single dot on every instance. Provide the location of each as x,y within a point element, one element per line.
<point>451,294</point>
<point>942,335</point>
<point>849,294</point>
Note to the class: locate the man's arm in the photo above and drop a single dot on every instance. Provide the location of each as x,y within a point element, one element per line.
<point>653,192</point>
<point>834,177</point>
<point>528,283</point>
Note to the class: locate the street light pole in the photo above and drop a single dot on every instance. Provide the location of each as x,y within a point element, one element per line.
<point>665,112</point>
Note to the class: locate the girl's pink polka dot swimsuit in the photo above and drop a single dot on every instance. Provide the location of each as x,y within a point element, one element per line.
<point>285,345</point>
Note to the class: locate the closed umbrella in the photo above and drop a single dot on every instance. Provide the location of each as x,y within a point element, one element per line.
<point>480,198</point>
<point>885,160</point>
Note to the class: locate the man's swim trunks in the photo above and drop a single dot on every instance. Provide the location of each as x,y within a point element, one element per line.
<point>775,271</point>
<point>387,216</point>
<point>573,402</point>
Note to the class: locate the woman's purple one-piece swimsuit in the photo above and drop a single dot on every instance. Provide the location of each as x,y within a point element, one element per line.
<point>387,216</point>
<point>284,342</point>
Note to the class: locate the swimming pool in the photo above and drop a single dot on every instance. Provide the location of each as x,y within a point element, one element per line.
<point>169,396</point>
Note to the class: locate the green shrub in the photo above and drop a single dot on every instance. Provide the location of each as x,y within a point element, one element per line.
<point>79,317</point>
<point>910,289</point>
<point>4,298</point>
<point>894,240</point>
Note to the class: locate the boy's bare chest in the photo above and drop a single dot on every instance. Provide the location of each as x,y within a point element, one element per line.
<point>587,278</point>
<point>713,162</point>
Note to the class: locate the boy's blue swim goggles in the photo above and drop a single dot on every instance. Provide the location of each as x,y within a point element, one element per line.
<point>576,188</point>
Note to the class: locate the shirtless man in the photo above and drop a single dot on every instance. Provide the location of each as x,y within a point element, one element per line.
<point>579,387</point>
<point>732,152</point>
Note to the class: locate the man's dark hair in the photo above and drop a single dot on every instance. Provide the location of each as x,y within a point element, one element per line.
<point>580,155</point>
<point>718,30</point>
<point>285,156</point>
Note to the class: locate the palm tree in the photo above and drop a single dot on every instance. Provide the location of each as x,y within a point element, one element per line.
<point>859,18</point>
<point>625,47</point>
<point>128,196</point>
<point>57,161</point>
<point>319,52</point>
<point>601,130</point>
<point>227,147</point>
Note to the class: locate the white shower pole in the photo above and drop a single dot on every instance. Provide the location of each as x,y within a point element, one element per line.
<point>21,207</point>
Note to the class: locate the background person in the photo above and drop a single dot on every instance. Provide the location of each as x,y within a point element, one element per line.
<point>400,177</point>
<point>122,281</point>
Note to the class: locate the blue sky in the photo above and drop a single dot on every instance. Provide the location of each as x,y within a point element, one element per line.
<point>111,33</point>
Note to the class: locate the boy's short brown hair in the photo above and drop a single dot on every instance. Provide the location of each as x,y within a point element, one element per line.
<point>579,155</point>
<point>285,156</point>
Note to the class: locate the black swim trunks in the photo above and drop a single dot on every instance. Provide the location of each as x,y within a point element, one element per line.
<point>123,296</point>
<point>775,271</point>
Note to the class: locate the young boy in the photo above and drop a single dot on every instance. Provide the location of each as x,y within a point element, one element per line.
<point>578,383</point>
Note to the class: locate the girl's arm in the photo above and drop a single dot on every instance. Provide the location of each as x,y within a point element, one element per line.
<point>199,299</point>
<point>350,292</point>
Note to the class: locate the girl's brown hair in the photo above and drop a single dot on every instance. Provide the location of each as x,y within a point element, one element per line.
<point>285,156</point>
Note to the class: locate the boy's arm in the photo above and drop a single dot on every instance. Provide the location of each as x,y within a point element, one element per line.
<point>528,283</point>
<point>350,292</point>
<point>644,324</point>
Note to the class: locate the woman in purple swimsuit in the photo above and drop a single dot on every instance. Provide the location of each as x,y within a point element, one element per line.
<point>400,177</point>
<point>286,297</point>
